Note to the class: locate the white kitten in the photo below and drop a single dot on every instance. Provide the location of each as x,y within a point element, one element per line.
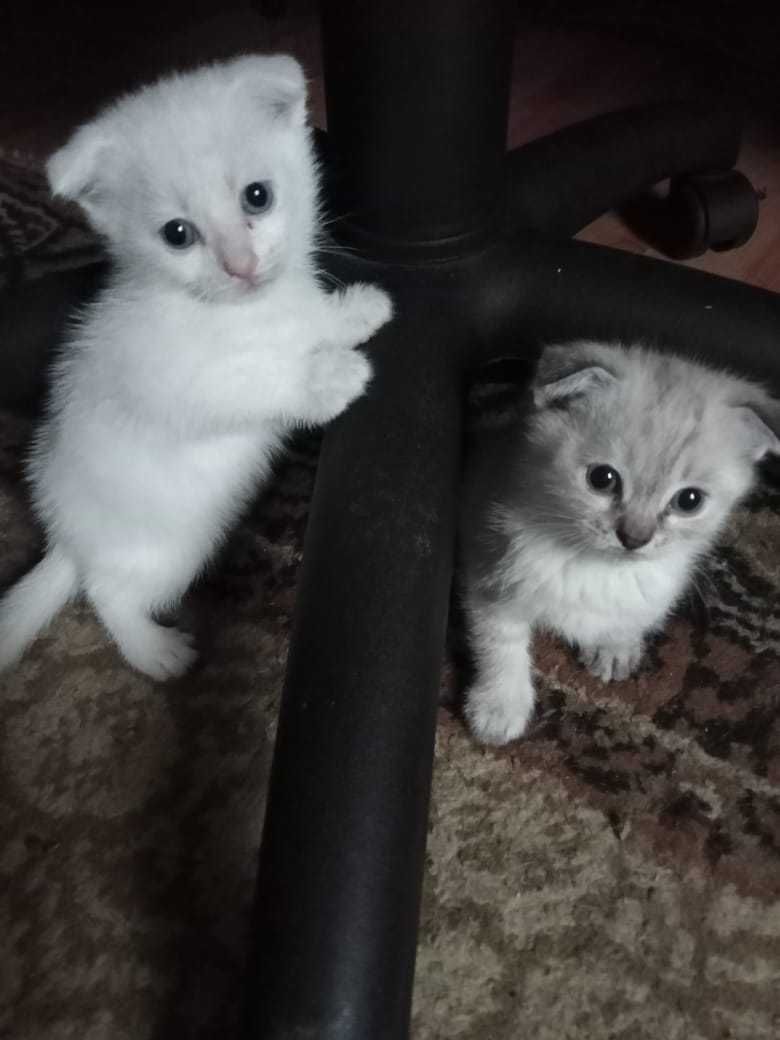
<point>588,518</point>
<point>212,339</point>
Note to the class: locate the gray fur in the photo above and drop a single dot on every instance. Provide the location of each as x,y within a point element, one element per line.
<point>540,548</point>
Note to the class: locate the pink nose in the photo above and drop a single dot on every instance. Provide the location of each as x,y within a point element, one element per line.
<point>243,266</point>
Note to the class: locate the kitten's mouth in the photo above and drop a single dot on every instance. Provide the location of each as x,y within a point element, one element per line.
<point>231,288</point>
<point>240,288</point>
<point>643,552</point>
<point>244,285</point>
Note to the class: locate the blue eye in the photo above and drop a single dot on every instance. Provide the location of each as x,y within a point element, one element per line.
<point>688,501</point>
<point>257,197</point>
<point>179,234</point>
<point>605,479</point>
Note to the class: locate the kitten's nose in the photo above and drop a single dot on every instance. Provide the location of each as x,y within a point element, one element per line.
<point>234,253</point>
<point>633,535</point>
<point>240,265</point>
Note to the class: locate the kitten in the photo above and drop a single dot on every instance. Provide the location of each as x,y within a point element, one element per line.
<point>212,339</point>
<point>588,518</point>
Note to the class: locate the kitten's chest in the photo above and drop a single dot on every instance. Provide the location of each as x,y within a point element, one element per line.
<point>593,598</point>
<point>221,463</point>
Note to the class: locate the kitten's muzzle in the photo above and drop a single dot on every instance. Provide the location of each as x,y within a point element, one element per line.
<point>236,257</point>
<point>243,267</point>
<point>632,534</point>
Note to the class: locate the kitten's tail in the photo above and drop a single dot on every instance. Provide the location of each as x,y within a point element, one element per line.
<point>31,604</point>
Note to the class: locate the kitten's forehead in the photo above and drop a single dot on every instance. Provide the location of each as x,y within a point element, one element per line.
<point>203,136</point>
<point>657,426</point>
<point>197,134</point>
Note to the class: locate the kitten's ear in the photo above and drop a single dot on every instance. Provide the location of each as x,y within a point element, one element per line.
<point>566,372</point>
<point>278,82</point>
<point>74,171</point>
<point>760,425</point>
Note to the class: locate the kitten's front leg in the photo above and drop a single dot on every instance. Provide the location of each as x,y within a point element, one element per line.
<point>337,375</point>
<point>501,700</point>
<point>608,661</point>
<point>357,312</point>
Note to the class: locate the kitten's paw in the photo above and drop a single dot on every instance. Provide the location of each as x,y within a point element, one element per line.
<point>366,308</point>
<point>495,718</point>
<point>612,662</point>
<point>166,653</point>
<point>338,375</point>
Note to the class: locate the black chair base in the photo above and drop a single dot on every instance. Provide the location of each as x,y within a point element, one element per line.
<point>473,245</point>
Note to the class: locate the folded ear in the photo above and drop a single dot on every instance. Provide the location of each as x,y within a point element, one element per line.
<point>759,420</point>
<point>75,171</point>
<point>276,81</point>
<point>568,372</point>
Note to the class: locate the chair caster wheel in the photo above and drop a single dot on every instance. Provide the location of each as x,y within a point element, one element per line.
<point>716,211</point>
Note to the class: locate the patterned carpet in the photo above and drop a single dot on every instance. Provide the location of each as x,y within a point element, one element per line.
<point>614,875</point>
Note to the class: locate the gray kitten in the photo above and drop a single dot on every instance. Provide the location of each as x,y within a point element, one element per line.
<point>588,518</point>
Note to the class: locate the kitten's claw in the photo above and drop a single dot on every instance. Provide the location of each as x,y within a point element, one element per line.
<point>338,375</point>
<point>612,662</point>
<point>366,308</point>
<point>167,653</point>
<point>496,718</point>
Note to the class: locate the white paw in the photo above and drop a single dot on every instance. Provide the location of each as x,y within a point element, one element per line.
<point>494,717</point>
<point>366,308</point>
<point>338,375</point>
<point>165,653</point>
<point>612,662</point>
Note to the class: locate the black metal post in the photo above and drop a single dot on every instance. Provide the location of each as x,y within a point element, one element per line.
<point>339,880</point>
<point>417,98</point>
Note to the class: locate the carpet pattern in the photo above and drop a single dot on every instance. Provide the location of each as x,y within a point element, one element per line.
<point>614,875</point>
<point>37,235</point>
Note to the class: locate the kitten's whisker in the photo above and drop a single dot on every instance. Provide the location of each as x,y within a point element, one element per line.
<point>332,279</point>
<point>335,218</point>
<point>337,249</point>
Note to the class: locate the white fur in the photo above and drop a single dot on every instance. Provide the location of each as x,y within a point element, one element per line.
<point>180,382</point>
<point>540,548</point>
<point>603,606</point>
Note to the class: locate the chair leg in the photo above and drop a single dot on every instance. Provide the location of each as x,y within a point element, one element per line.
<point>559,183</point>
<point>530,290</point>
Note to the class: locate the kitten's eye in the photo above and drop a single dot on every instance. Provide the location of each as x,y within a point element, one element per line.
<point>689,500</point>
<point>257,197</point>
<point>605,479</point>
<point>179,233</point>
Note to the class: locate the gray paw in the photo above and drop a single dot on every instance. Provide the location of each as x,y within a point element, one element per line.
<point>497,716</point>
